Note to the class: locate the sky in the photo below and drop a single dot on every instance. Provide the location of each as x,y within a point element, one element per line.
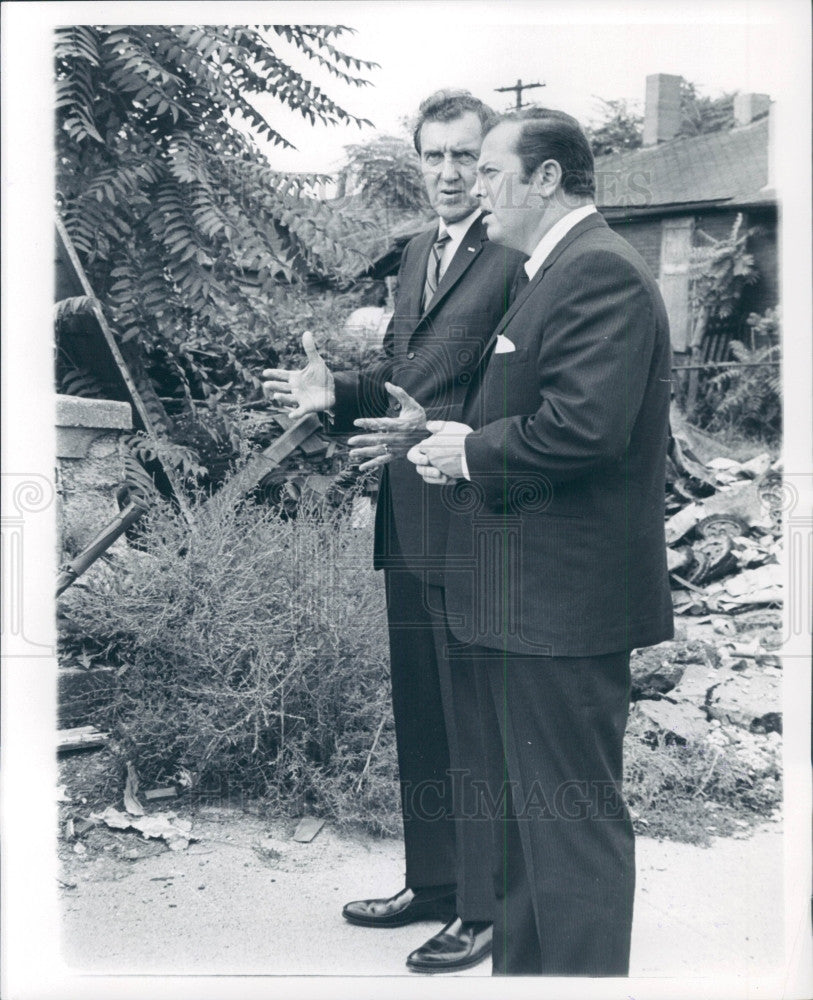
<point>581,51</point>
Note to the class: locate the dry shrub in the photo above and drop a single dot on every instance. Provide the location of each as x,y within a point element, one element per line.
<point>251,658</point>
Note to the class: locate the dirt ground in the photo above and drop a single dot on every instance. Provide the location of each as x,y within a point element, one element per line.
<point>245,898</point>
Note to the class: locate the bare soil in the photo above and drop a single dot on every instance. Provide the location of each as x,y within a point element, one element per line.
<point>245,898</point>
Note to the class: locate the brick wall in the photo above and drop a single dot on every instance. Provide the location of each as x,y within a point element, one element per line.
<point>645,236</point>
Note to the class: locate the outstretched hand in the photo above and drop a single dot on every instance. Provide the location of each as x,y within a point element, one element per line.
<point>308,390</point>
<point>389,437</point>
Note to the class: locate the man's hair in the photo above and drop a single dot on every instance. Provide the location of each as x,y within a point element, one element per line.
<point>546,134</point>
<point>447,105</point>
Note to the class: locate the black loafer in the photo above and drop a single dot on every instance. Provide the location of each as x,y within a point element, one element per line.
<point>407,906</point>
<point>460,945</point>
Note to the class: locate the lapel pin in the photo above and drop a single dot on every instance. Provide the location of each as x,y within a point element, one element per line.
<point>470,249</point>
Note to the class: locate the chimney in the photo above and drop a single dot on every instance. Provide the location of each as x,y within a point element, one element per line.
<point>748,107</point>
<point>662,112</point>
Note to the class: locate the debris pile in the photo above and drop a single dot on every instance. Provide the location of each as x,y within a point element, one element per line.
<point>723,532</point>
<point>724,701</point>
<point>720,695</point>
<point>177,833</point>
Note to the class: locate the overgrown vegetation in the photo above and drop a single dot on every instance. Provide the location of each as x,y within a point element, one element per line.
<point>743,400</point>
<point>182,225</point>
<point>250,658</point>
<point>747,401</point>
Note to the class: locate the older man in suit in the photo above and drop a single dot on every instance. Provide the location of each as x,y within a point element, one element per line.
<point>556,564</point>
<point>453,287</point>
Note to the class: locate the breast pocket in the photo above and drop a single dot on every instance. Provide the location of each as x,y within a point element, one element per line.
<point>509,358</point>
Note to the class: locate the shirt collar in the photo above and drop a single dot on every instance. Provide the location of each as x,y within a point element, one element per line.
<point>457,230</point>
<point>554,235</point>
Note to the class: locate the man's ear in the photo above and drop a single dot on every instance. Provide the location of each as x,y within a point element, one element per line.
<point>547,177</point>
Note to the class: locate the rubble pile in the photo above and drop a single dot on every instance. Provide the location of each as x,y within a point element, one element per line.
<point>724,700</point>
<point>717,688</point>
<point>723,532</point>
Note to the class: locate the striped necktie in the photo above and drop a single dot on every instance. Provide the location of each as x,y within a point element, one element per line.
<point>433,274</point>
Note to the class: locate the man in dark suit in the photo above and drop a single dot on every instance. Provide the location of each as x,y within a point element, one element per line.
<point>556,557</point>
<point>453,287</point>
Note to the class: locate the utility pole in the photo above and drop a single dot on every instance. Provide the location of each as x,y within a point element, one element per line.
<point>518,87</point>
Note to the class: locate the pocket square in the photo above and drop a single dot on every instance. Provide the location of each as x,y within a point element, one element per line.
<point>504,345</point>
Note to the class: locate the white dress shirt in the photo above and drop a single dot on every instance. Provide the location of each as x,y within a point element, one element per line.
<point>553,236</point>
<point>456,230</point>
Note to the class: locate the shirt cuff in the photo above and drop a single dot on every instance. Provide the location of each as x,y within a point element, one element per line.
<point>463,463</point>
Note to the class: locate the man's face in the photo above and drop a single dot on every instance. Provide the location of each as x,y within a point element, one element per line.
<point>514,207</point>
<point>449,152</point>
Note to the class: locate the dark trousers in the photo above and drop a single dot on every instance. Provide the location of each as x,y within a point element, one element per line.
<point>440,751</point>
<point>563,848</point>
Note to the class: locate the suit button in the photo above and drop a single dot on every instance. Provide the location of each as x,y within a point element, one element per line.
<point>411,355</point>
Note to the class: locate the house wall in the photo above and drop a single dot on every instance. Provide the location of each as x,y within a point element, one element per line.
<point>646,235</point>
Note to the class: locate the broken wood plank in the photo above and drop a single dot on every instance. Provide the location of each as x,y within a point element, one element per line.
<point>160,793</point>
<point>80,738</point>
<point>269,459</point>
<point>307,828</point>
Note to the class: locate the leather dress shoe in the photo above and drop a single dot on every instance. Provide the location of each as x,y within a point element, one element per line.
<point>407,906</point>
<point>459,945</point>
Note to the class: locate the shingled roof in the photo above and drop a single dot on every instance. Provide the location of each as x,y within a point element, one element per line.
<point>728,167</point>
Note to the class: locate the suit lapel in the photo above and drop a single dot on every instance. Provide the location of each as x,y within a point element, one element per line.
<point>592,221</point>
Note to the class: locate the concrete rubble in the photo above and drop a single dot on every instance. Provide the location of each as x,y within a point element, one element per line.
<point>723,531</point>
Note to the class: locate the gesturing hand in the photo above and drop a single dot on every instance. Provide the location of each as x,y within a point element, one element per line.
<point>308,390</point>
<point>392,437</point>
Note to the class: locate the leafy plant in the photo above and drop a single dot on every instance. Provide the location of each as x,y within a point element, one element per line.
<point>384,172</point>
<point>748,400</point>
<point>700,114</point>
<point>620,129</point>
<point>183,227</point>
<point>719,271</point>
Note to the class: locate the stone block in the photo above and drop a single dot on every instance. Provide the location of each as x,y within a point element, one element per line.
<point>751,699</point>
<point>654,671</point>
<point>90,466</point>
<point>102,414</point>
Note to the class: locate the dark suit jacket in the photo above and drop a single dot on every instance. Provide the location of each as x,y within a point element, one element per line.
<point>431,354</point>
<point>557,546</point>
